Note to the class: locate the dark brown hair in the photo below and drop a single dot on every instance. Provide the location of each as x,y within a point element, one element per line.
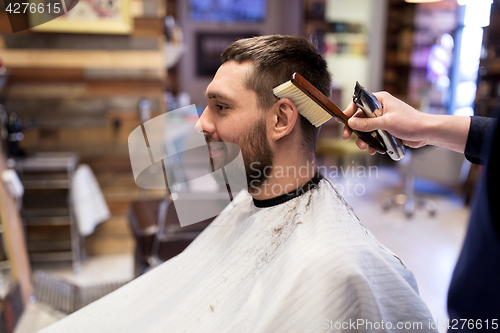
<point>275,58</point>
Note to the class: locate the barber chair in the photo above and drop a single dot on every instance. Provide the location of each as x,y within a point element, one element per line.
<point>158,233</point>
<point>409,200</point>
<point>443,167</point>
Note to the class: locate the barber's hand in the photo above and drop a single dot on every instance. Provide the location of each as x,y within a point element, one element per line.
<point>398,118</point>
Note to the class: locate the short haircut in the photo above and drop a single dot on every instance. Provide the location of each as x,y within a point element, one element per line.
<point>275,58</point>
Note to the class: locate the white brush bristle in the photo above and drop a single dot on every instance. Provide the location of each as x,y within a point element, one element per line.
<point>306,106</point>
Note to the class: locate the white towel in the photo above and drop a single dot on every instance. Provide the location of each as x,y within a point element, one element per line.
<point>88,202</point>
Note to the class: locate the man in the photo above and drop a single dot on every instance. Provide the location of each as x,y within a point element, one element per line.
<point>288,255</point>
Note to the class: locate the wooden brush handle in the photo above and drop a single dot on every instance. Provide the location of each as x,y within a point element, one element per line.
<point>307,88</point>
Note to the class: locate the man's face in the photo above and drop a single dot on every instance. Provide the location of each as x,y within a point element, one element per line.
<point>232,116</point>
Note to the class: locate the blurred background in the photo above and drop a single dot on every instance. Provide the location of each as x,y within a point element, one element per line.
<point>74,224</point>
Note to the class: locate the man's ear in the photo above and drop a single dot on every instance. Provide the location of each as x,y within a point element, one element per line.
<point>284,118</point>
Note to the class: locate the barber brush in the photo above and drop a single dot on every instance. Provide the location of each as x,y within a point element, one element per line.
<point>367,102</point>
<point>317,108</point>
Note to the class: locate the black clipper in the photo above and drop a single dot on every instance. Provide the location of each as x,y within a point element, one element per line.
<point>367,102</point>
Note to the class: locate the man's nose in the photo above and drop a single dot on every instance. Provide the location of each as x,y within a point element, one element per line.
<point>205,124</point>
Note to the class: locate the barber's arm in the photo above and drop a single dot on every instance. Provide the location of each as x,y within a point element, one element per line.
<point>480,129</point>
<point>418,129</point>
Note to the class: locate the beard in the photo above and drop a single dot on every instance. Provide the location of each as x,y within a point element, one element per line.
<point>257,158</point>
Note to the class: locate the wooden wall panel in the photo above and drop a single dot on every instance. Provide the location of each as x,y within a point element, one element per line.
<point>129,74</point>
<point>13,236</point>
<point>4,23</point>
<point>82,91</point>
<point>147,26</point>
<point>81,58</point>
<point>33,75</point>
<point>108,88</point>
<point>80,42</point>
<point>143,25</point>
<point>32,90</point>
<point>148,8</point>
<point>65,75</point>
<point>68,81</point>
<point>76,112</point>
<point>89,142</point>
<point>121,88</point>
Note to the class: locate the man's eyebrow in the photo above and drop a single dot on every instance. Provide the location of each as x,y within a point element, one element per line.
<point>218,95</point>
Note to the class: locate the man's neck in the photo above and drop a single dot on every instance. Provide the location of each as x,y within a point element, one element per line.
<point>284,178</point>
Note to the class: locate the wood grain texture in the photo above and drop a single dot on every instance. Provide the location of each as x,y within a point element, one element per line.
<point>80,42</point>
<point>49,74</point>
<point>71,113</point>
<point>79,105</point>
<point>111,135</point>
<point>90,89</point>
<point>13,236</point>
<point>21,19</point>
<point>153,9</point>
<point>121,88</point>
<point>66,75</point>
<point>81,59</point>
<point>112,171</point>
<point>96,143</point>
<point>96,245</point>
<point>45,90</point>
<point>118,207</point>
<point>84,90</point>
<point>144,26</point>
<point>152,74</point>
<point>87,143</point>
<point>4,23</point>
<point>147,8</point>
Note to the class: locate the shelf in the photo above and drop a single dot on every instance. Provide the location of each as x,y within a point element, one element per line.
<point>47,162</point>
<point>51,256</point>
<point>47,220</point>
<point>45,184</point>
<point>49,246</point>
<point>487,104</point>
<point>492,66</point>
<point>46,212</point>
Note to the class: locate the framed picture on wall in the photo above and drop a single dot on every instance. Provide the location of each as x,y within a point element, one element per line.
<point>209,47</point>
<point>84,16</point>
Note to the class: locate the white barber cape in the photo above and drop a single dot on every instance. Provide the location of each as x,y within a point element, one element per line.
<point>303,265</point>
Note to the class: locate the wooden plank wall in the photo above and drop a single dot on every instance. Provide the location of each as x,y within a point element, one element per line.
<point>13,236</point>
<point>82,91</point>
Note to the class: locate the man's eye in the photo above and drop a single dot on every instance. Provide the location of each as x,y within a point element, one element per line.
<point>221,107</point>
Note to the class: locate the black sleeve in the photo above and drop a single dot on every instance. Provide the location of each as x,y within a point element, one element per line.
<point>481,128</point>
<point>474,288</point>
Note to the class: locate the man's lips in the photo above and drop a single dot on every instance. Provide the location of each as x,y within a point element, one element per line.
<point>215,148</point>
